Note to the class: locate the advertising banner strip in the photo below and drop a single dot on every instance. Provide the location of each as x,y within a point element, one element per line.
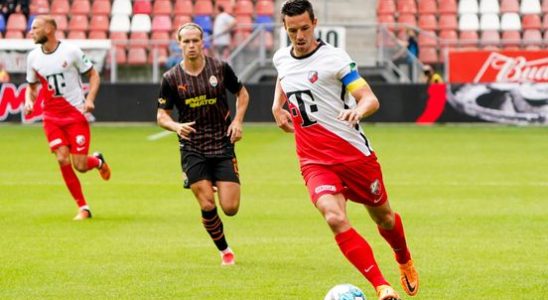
<point>499,66</point>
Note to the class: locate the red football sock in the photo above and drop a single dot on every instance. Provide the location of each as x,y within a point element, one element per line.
<point>396,239</point>
<point>73,184</point>
<point>93,162</point>
<point>359,253</point>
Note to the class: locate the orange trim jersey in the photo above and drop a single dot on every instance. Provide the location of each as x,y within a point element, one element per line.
<point>317,88</point>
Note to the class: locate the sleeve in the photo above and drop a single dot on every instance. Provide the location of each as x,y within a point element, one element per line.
<point>349,74</point>
<point>232,83</point>
<point>82,62</point>
<point>31,74</point>
<point>166,98</point>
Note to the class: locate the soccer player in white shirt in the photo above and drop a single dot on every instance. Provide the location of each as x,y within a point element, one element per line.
<point>326,98</point>
<point>57,67</point>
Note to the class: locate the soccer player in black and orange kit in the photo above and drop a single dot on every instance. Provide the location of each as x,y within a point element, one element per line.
<point>197,89</point>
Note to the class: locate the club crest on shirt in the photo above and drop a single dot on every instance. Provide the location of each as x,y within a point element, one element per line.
<point>213,81</point>
<point>161,101</point>
<point>312,76</point>
<point>80,140</point>
<point>65,64</point>
<point>375,187</point>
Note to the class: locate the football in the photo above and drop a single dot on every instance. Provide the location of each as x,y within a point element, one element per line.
<point>345,292</point>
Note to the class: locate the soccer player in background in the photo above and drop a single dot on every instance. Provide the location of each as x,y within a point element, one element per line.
<point>57,67</point>
<point>327,98</point>
<point>197,89</point>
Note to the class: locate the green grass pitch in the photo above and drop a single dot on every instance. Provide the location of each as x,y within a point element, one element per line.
<point>474,200</point>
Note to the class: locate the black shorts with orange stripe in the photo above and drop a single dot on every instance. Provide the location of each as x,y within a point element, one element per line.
<point>218,168</point>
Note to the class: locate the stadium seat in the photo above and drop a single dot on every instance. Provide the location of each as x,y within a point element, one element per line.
<point>161,53</point>
<point>227,4</point>
<point>407,19</point>
<point>264,8</point>
<point>428,22</point>
<point>121,7</point>
<point>121,56</point>
<point>119,23</point>
<point>268,22</point>
<point>489,7</point>
<point>531,22</point>
<point>427,39</point>
<point>119,39</point>
<point>509,6</point>
<point>98,34</point>
<point>100,7</point>
<point>532,37</point>
<point>76,35</point>
<point>205,22</point>
<point>39,7</point>
<point>183,7</point>
<point>16,21</point>
<point>406,7</point>
<point>138,39</point>
<point>530,7</point>
<point>160,39</point>
<point>62,22</point>
<point>448,22</point>
<point>140,23</point>
<point>162,7</point>
<point>447,7</point>
<point>489,22</point>
<point>79,23</point>
<point>60,35</point>
<point>490,38</point>
<point>244,8</point>
<point>387,20</point>
<point>180,20</point>
<point>14,34</point>
<point>428,7</point>
<point>99,23</point>
<point>161,23</point>
<point>511,39</point>
<point>544,6</point>
<point>448,38</point>
<point>2,23</point>
<point>244,23</point>
<point>468,7</point>
<point>510,21</point>
<point>468,39</point>
<point>545,22</point>
<point>80,7</point>
<point>429,55</point>
<point>545,38</point>
<point>203,8</point>
<point>142,7</point>
<point>61,7</point>
<point>386,7</point>
<point>468,22</point>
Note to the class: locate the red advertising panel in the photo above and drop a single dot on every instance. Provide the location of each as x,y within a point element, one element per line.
<point>503,66</point>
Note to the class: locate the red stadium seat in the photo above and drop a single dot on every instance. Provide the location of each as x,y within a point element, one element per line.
<point>121,56</point>
<point>137,56</point>
<point>142,7</point>
<point>119,39</point>
<point>100,7</point>
<point>264,8</point>
<point>179,20</point>
<point>545,7</point>
<point>427,39</point>
<point>244,23</point>
<point>98,34</point>
<point>545,22</point>
<point>62,22</point>
<point>162,7</point>
<point>428,7</point>
<point>448,38</point>
<point>14,34</point>
<point>532,37</point>
<point>60,35</point>
<point>468,39</point>
<point>511,38</point>
<point>406,7</point>
<point>138,39</point>
<point>17,21</point>
<point>448,22</point>
<point>160,39</point>
<point>490,38</point>
<point>183,7</point>
<point>244,8</point>
<point>429,55</point>
<point>203,8</point>
<point>408,19</point>
<point>428,22</point>
<point>99,23</point>
<point>531,22</point>
<point>386,7</point>
<point>509,6</point>
<point>161,53</point>
<point>80,7</point>
<point>161,23</point>
<point>386,19</point>
<point>79,22</point>
<point>76,35</point>
<point>39,7</point>
<point>60,7</point>
<point>447,7</point>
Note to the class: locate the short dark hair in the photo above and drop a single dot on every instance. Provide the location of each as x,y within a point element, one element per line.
<point>297,7</point>
<point>221,8</point>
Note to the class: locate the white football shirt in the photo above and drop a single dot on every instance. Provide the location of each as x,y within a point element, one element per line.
<point>316,95</point>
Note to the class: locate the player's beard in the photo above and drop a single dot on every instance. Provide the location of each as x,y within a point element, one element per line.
<point>41,40</point>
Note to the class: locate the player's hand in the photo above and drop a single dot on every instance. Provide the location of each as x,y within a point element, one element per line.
<point>283,120</point>
<point>184,130</point>
<point>89,106</point>
<point>235,131</point>
<point>28,108</point>
<point>352,116</point>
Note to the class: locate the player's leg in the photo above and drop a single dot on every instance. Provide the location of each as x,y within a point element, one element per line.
<point>227,179</point>
<point>80,138</point>
<point>390,227</point>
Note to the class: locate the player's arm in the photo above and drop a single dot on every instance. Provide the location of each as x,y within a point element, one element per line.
<point>164,120</point>
<point>236,127</point>
<point>94,82</point>
<point>367,102</point>
<point>31,93</point>
<point>282,116</point>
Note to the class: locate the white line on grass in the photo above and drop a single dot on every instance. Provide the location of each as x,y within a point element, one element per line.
<point>159,135</point>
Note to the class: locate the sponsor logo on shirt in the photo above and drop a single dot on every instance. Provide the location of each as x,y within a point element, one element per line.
<point>200,101</point>
<point>323,188</point>
<point>312,76</point>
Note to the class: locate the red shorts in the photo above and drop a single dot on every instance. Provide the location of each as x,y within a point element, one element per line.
<point>75,135</point>
<point>359,181</point>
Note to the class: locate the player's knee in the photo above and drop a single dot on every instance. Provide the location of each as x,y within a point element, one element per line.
<point>231,210</point>
<point>335,219</point>
<point>80,167</point>
<point>63,160</point>
<point>385,221</point>
<point>207,205</point>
